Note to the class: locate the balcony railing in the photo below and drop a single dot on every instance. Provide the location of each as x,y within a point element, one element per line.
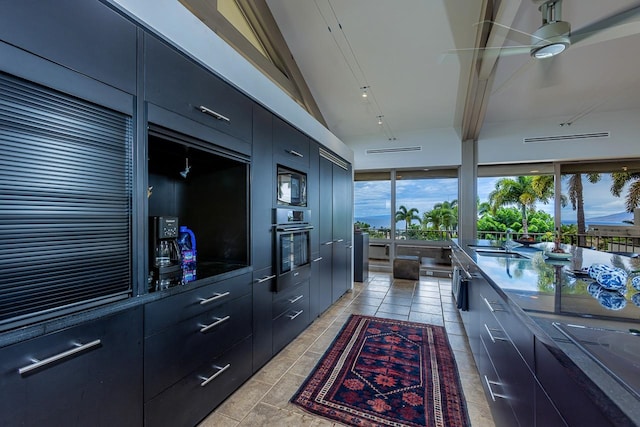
<point>624,245</point>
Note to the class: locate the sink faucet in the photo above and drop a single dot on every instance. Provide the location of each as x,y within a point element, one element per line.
<point>509,244</point>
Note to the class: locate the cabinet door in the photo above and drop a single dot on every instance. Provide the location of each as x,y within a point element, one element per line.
<point>180,85</point>
<point>262,190</point>
<point>290,146</point>
<point>547,414</point>
<point>91,374</point>
<point>325,211</point>
<point>82,35</point>
<point>263,282</point>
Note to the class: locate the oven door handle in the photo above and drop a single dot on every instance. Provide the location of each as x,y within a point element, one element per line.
<point>291,229</point>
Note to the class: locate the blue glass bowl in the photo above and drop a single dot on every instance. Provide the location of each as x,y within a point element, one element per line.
<point>635,282</point>
<point>595,269</point>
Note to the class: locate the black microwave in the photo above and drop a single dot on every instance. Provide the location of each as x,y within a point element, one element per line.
<point>291,187</point>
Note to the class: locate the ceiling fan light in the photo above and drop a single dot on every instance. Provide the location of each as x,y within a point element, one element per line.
<point>548,51</point>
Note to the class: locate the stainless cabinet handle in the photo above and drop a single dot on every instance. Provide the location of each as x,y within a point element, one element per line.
<point>494,339</point>
<point>328,243</point>
<point>493,310</point>
<point>218,320</point>
<point>493,395</point>
<point>293,316</point>
<point>41,363</point>
<point>296,299</point>
<point>350,246</point>
<point>317,259</point>
<point>213,377</point>
<point>339,240</point>
<point>295,153</point>
<point>215,296</point>
<point>265,278</point>
<point>214,114</point>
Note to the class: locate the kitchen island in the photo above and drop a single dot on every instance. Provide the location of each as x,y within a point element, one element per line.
<point>552,346</point>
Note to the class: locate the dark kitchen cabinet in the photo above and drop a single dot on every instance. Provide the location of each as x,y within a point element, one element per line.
<point>176,83</point>
<point>262,190</point>
<point>335,223</point>
<point>89,374</point>
<point>569,397</point>
<point>191,337</point>
<point>86,36</point>
<point>290,146</point>
<point>361,256</point>
<point>263,283</point>
<point>290,314</point>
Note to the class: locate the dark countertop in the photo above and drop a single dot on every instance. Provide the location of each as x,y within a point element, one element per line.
<point>546,293</point>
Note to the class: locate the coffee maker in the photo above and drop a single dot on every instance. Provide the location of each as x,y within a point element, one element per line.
<point>165,257</point>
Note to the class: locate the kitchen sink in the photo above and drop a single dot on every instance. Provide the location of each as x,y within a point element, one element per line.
<point>499,253</point>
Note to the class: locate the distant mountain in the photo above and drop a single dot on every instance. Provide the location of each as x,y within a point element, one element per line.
<point>613,219</point>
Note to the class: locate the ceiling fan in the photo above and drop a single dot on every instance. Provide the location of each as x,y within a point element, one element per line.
<point>554,36</point>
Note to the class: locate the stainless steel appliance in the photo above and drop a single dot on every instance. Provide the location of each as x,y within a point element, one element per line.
<point>292,247</point>
<point>165,257</point>
<point>291,187</point>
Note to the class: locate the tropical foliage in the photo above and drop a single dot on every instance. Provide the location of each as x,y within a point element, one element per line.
<point>407,215</point>
<point>524,192</point>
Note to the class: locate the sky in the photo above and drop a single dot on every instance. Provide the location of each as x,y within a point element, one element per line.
<point>373,198</point>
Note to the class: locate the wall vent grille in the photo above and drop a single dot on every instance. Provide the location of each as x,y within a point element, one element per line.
<point>392,150</point>
<point>334,159</point>
<point>576,136</point>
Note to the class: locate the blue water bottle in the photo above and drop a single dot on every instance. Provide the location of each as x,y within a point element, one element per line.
<point>187,243</point>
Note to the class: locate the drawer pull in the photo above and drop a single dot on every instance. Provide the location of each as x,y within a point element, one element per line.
<point>218,320</point>
<point>215,296</point>
<point>214,114</point>
<point>339,240</point>
<point>295,153</point>
<point>328,243</point>
<point>493,395</point>
<point>265,278</point>
<point>494,339</point>
<point>493,310</point>
<point>317,259</point>
<point>296,299</point>
<point>213,377</point>
<point>60,356</point>
<point>293,316</point>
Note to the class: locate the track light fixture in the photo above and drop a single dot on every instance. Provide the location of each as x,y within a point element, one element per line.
<point>364,91</point>
<point>380,120</point>
<point>187,168</point>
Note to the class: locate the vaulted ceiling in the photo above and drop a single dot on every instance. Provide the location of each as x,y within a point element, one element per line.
<point>418,62</point>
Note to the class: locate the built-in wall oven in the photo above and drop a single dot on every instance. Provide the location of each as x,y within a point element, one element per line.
<point>293,250</point>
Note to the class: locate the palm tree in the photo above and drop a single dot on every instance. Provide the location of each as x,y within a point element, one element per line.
<point>407,215</point>
<point>620,179</point>
<point>576,196</point>
<point>524,192</point>
<point>443,215</point>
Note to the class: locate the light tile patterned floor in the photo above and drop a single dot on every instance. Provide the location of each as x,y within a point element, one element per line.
<point>264,399</point>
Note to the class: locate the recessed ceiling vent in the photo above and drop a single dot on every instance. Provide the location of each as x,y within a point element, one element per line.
<point>392,150</point>
<point>573,137</point>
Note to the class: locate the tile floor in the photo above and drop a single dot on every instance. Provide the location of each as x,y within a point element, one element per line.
<point>264,399</point>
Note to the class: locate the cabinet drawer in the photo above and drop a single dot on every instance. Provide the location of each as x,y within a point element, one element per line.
<point>177,83</point>
<point>497,394</point>
<point>516,381</point>
<point>289,298</point>
<point>290,324</point>
<point>513,327</point>
<point>97,384</point>
<point>196,395</point>
<point>176,351</point>
<point>166,312</point>
<point>290,146</point>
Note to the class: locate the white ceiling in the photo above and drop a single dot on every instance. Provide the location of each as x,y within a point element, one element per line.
<point>402,50</point>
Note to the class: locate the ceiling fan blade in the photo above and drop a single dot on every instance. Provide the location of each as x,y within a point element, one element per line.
<point>607,24</point>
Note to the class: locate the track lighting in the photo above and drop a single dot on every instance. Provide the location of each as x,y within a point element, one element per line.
<point>364,91</point>
<point>380,120</point>
<point>187,168</point>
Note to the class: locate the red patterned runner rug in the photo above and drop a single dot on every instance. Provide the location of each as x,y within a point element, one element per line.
<point>384,372</point>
